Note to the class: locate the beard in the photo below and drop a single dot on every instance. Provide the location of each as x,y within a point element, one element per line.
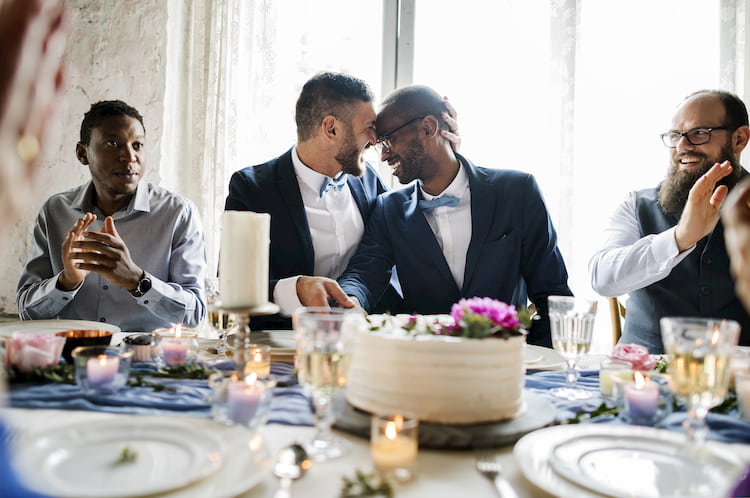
<point>349,155</point>
<point>676,187</point>
<point>414,164</point>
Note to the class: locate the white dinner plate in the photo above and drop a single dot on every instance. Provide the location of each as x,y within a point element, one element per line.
<point>81,459</point>
<point>606,463</point>
<point>52,326</point>
<point>548,359</point>
<point>540,453</point>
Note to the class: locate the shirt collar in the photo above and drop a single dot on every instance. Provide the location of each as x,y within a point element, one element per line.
<point>307,175</point>
<point>457,187</point>
<point>84,200</point>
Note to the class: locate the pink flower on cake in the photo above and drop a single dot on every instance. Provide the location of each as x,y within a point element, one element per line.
<point>635,354</point>
<point>482,316</point>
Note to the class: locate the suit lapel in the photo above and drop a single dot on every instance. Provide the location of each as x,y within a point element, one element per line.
<point>358,192</point>
<point>289,189</point>
<point>424,239</point>
<point>482,214</point>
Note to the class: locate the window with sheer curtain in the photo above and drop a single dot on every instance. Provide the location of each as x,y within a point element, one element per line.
<point>574,91</point>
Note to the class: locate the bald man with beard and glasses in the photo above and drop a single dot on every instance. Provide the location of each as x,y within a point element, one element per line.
<point>665,245</point>
<point>319,193</point>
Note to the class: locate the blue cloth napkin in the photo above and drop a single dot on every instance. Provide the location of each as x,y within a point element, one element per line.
<point>726,428</point>
<point>289,406</point>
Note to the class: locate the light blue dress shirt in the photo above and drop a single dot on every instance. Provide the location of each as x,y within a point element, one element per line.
<point>164,236</point>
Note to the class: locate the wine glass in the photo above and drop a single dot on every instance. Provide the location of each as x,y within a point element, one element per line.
<point>324,339</point>
<point>700,351</point>
<point>572,324</point>
<point>220,321</point>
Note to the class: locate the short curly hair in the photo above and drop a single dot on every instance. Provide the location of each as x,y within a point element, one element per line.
<point>104,109</point>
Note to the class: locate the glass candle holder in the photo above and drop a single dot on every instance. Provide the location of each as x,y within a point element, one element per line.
<point>258,360</point>
<point>742,387</point>
<point>608,371</point>
<point>245,401</point>
<point>393,445</point>
<point>644,400</point>
<point>101,369</point>
<point>175,347</point>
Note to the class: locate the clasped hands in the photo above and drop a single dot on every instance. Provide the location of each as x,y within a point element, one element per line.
<point>104,252</point>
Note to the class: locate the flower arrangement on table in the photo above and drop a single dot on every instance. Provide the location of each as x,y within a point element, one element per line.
<point>477,317</point>
<point>635,354</point>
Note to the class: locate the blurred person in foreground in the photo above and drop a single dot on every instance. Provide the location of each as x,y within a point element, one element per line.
<point>32,36</point>
<point>115,249</point>
<point>665,245</point>
<point>458,231</point>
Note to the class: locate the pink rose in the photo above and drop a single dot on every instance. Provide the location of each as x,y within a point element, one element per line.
<point>27,351</point>
<point>635,354</point>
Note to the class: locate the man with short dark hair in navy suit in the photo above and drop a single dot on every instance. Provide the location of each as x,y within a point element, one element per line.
<point>459,231</point>
<point>319,193</point>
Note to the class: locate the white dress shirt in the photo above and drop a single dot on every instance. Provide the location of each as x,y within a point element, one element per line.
<point>627,261</point>
<point>336,227</point>
<point>452,225</point>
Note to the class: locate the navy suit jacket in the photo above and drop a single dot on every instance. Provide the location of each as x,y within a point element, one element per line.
<point>512,254</point>
<point>272,188</point>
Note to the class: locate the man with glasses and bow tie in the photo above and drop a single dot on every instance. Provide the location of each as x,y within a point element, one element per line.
<point>459,231</point>
<point>665,245</point>
<point>319,193</point>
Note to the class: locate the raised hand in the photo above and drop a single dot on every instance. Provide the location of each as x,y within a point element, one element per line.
<point>451,119</point>
<point>701,213</point>
<point>106,254</point>
<point>72,275</point>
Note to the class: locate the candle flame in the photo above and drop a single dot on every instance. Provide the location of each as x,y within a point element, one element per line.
<point>178,330</point>
<point>390,430</point>
<point>251,379</point>
<point>639,379</point>
<point>715,336</point>
<point>258,357</point>
<point>102,359</point>
<point>255,443</point>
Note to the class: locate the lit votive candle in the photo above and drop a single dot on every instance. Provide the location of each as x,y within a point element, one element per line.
<point>393,445</point>
<point>258,360</point>
<point>641,398</point>
<point>243,400</point>
<point>609,371</point>
<point>174,352</point>
<point>101,370</point>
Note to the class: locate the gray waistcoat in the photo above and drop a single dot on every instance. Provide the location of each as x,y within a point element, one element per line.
<point>700,285</point>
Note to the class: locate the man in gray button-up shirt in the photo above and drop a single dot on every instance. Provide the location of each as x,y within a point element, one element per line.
<point>114,249</point>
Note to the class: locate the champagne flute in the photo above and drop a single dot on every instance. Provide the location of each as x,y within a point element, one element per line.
<point>324,339</point>
<point>221,322</point>
<point>572,325</point>
<point>700,351</point>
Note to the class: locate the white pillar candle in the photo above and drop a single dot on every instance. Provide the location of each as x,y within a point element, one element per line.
<point>243,259</point>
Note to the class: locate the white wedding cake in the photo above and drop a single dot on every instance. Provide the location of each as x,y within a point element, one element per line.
<point>437,378</point>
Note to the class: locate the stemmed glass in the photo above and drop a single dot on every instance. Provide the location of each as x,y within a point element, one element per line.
<point>324,339</point>
<point>700,350</point>
<point>220,321</point>
<point>572,325</point>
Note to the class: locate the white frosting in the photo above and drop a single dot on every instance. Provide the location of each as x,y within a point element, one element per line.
<point>441,379</point>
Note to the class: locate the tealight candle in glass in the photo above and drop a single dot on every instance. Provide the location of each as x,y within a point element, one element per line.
<point>645,400</point>
<point>609,370</point>
<point>393,445</point>
<point>245,401</point>
<point>101,369</point>
<point>258,360</point>
<point>175,346</point>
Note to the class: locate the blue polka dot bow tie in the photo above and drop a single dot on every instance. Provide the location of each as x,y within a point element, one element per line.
<point>443,200</point>
<point>332,183</point>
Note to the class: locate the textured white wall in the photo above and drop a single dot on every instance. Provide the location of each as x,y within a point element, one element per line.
<point>116,50</point>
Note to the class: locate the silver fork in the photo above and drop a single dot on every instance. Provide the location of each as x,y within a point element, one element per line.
<point>489,467</point>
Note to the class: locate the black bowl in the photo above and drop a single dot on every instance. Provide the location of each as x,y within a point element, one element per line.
<point>75,338</point>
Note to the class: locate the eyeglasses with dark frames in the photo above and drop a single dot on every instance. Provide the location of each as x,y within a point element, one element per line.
<point>696,136</point>
<point>383,143</point>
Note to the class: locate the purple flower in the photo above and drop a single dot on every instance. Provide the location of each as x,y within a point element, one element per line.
<point>500,314</point>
